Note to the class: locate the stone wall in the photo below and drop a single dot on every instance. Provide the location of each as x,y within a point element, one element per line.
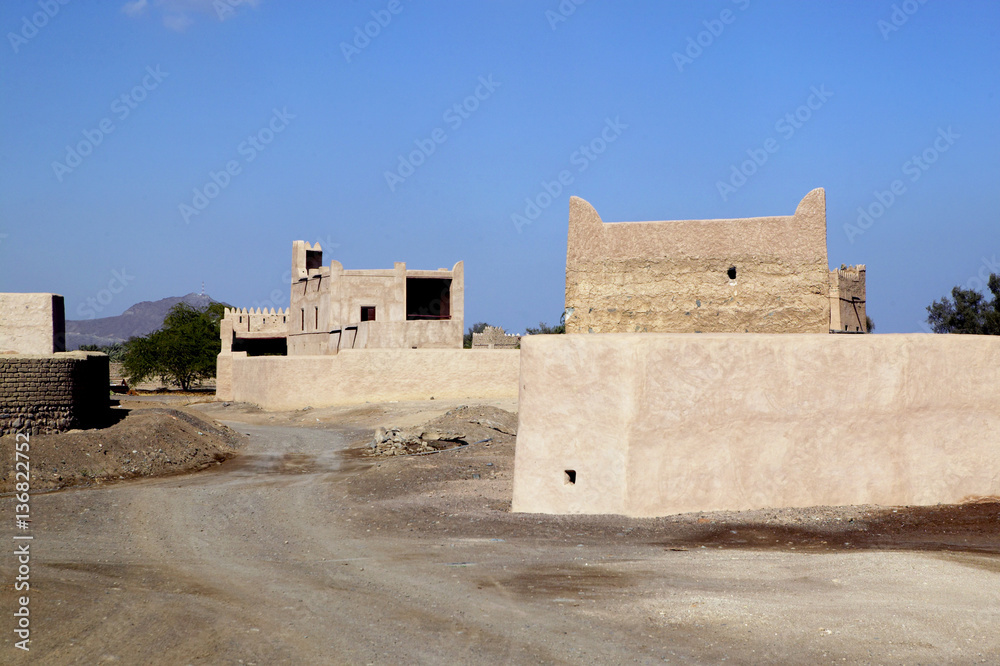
<point>53,393</point>
<point>756,275</point>
<point>356,376</point>
<point>650,425</point>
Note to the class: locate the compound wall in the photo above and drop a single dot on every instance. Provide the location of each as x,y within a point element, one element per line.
<point>356,376</point>
<point>657,424</point>
<point>53,393</point>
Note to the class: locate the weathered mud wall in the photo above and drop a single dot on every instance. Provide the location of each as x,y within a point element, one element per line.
<point>756,275</point>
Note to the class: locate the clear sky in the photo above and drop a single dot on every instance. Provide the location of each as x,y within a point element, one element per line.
<point>150,146</point>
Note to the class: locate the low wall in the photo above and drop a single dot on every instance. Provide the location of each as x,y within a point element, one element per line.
<point>367,375</point>
<point>656,424</point>
<point>53,393</point>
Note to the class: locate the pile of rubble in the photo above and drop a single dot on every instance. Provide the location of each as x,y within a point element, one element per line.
<point>396,442</point>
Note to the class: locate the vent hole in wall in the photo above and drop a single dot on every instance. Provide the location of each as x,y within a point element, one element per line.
<point>570,477</point>
<point>731,272</point>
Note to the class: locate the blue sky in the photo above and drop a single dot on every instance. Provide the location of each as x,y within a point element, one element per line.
<point>238,127</point>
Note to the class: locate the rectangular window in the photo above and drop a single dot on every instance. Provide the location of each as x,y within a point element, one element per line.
<point>316,313</point>
<point>303,312</point>
<point>428,298</point>
<point>367,313</point>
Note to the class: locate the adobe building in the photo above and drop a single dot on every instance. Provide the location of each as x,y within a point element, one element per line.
<point>332,309</point>
<point>43,388</point>
<point>352,336</point>
<point>754,275</point>
<point>757,411</point>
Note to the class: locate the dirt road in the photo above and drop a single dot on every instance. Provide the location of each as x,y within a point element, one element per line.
<point>291,553</point>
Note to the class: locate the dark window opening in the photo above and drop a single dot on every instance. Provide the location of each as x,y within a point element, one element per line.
<point>303,313</point>
<point>261,346</point>
<point>314,259</point>
<point>316,313</point>
<point>731,272</point>
<point>570,477</point>
<point>367,313</point>
<point>428,298</point>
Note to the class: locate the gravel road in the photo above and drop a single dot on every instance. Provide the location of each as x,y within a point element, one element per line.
<point>276,557</point>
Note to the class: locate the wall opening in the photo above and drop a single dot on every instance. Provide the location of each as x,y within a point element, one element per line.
<point>367,313</point>
<point>261,346</point>
<point>428,298</point>
<point>303,313</point>
<point>316,316</point>
<point>731,272</point>
<point>569,477</point>
<point>314,259</point>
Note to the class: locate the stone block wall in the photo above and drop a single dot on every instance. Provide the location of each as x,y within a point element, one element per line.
<point>53,393</point>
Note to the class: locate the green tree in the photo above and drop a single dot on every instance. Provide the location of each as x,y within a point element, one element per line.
<point>478,327</point>
<point>183,351</point>
<point>967,311</point>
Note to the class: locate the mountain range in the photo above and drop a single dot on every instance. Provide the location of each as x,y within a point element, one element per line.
<point>139,320</point>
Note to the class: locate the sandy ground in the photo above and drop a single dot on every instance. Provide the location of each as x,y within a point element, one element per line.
<point>302,549</point>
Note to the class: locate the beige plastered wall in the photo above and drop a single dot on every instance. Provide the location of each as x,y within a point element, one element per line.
<point>660,424</point>
<point>367,375</point>
<point>671,276</point>
<point>32,323</point>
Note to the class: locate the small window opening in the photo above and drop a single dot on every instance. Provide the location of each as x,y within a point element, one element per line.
<point>731,272</point>
<point>367,313</point>
<point>303,313</point>
<point>570,477</point>
<point>316,314</point>
<point>314,259</point>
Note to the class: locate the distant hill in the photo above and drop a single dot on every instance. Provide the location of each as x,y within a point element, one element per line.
<point>140,319</point>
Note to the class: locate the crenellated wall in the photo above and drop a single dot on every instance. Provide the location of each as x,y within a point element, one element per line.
<point>494,337</point>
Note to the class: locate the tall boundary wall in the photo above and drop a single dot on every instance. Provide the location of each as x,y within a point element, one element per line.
<point>356,376</point>
<point>53,393</point>
<point>658,424</point>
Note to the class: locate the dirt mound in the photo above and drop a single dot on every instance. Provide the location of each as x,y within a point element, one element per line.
<point>147,442</point>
